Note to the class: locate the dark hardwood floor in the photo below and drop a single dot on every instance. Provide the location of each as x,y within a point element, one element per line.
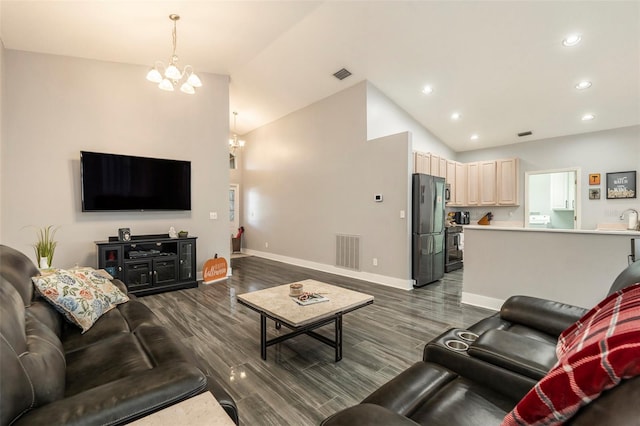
<point>300,384</point>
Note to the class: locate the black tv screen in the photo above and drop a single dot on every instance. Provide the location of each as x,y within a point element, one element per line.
<point>122,182</point>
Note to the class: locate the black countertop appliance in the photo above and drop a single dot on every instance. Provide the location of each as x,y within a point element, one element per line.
<point>461,218</point>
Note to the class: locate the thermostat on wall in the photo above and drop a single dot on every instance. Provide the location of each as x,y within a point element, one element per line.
<point>378,198</point>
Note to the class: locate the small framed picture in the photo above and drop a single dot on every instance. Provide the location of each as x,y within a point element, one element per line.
<point>621,185</point>
<point>594,193</point>
<point>594,179</point>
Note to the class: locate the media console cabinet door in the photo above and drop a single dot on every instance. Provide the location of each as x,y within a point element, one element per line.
<point>150,264</point>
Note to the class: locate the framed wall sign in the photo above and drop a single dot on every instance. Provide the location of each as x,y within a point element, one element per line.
<point>594,193</point>
<point>594,179</point>
<point>621,185</point>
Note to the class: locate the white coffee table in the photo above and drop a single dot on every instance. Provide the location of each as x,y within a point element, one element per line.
<point>276,304</point>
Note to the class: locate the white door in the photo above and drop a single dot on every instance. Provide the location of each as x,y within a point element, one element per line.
<point>234,210</point>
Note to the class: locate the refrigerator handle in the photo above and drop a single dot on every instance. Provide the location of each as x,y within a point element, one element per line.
<point>422,188</point>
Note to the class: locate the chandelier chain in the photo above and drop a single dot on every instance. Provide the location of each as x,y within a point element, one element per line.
<point>174,38</point>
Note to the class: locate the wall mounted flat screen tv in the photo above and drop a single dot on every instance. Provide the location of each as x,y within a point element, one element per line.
<point>112,182</point>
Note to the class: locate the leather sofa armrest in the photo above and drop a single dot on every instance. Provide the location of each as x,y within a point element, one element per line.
<point>124,400</point>
<point>530,357</point>
<point>121,286</point>
<point>367,415</point>
<point>407,391</point>
<point>224,399</point>
<point>544,315</point>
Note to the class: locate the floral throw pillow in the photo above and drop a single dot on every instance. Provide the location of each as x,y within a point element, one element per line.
<point>82,296</point>
<point>102,281</point>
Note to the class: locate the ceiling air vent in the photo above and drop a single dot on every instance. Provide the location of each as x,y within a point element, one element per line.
<point>342,74</point>
<point>527,133</point>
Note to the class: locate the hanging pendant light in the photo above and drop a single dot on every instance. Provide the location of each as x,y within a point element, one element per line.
<point>234,142</point>
<point>172,76</point>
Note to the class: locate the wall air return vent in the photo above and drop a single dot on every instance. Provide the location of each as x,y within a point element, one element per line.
<point>342,74</point>
<point>348,251</point>
<point>527,133</point>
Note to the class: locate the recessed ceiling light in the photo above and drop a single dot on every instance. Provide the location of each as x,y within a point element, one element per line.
<point>584,84</point>
<point>427,90</point>
<point>571,40</point>
<point>588,117</point>
<point>474,137</point>
<point>456,116</point>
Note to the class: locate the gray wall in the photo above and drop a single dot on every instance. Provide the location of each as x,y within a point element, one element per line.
<point>597,152</point>
<point>313,174</point>
<point>55,106</point>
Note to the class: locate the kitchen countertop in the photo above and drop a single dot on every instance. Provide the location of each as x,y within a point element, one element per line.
<point>625,233</point>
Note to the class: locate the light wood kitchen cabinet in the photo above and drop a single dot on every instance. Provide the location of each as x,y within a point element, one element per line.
<point>460,194</point>
<point>473,185</point>
<point>450,179</point>
<point>422,163</point>
<point>435,165</point>
<point>507,181</point>
<point>480,183</point>
<point>457,180</point>
<point>488,183</point>
<point>442,170</point>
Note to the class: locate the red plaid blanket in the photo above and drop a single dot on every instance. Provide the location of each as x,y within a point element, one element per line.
<point>594,355</point>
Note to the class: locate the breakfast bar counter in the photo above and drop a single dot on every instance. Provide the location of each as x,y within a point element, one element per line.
<point>571,266</point>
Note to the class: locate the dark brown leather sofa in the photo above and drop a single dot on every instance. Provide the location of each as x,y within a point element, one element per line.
<point>124,367</point>
<point>479,381</point>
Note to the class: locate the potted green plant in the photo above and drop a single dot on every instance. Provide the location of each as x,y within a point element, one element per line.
<point>45,246</point>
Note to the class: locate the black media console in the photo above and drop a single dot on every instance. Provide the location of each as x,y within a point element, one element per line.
<point>150,263</point>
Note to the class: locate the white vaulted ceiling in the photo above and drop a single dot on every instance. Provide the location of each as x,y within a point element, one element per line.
<point>501,65</point>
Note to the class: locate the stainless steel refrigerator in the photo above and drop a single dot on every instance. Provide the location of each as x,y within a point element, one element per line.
<point>428,229</point>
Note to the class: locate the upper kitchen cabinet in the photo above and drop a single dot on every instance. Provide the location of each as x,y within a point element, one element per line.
<point>481,183</point>
<point>438,166</point>
<point>460,194</point>
<point>492,183</point>
<point>473,184</point>
<point>443,169</point>
<point>488,183</point>
<point>563,191</point>
<point>507,182</point>
<point>422,163</point>
<point>457,181</point>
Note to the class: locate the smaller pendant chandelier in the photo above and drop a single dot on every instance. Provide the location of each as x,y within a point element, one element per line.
<point>235,143</point>
<point>172,76</point>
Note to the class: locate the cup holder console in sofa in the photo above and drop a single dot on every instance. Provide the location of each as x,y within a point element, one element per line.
<point>455,349</point>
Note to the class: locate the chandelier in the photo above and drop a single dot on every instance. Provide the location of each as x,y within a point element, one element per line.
<point>172,76</point>
<point>235,143</point>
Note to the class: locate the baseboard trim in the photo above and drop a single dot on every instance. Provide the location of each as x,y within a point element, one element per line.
<point>481,301</point>
<point>365,276</point>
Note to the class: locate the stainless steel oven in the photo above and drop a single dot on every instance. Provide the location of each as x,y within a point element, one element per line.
<point>453,249</point>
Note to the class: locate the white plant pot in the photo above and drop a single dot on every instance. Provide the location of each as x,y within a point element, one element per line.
<point>44,263</point>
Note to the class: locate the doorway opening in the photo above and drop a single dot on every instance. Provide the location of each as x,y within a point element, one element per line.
<point>552,199</point>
